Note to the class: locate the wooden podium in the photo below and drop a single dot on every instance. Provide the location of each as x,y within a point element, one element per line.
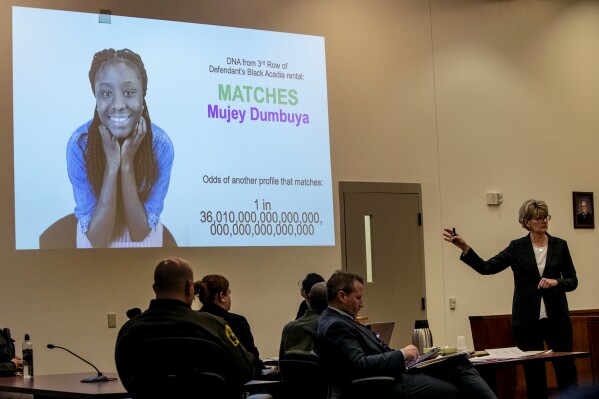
<point>495,331</point>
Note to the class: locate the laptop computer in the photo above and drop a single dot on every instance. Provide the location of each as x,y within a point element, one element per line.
<point>383,329</point>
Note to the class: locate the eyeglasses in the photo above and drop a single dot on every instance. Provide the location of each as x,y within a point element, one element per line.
<point>541,219</point>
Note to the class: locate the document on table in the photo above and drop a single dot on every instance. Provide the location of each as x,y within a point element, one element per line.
<point>505,353</point>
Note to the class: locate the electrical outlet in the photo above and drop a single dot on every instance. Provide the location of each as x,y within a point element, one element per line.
<point>111,320</point>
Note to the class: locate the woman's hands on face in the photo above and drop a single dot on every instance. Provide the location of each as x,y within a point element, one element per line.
<point>132,142</point>
<point>112,149</point>
<point>116,153</point>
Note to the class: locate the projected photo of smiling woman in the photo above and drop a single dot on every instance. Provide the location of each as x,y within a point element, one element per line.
<point>119,163</point>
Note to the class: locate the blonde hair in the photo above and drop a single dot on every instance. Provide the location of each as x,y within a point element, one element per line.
<point>532,209</point>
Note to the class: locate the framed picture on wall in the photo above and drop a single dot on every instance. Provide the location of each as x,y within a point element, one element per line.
<point>583,210</point>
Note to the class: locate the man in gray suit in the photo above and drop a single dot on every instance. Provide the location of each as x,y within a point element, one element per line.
<point>353,351</point>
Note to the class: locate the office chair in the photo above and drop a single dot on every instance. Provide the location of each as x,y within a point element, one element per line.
<point>361,388</point>
<point>182,368</point>
<point>168,241</point>
<point>180,385</point>
<point>303,376</point>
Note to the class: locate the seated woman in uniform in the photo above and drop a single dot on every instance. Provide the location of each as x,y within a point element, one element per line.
<point>214,293</point>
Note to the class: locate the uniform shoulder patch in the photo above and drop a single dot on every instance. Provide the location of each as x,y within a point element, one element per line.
<point>231,335</point>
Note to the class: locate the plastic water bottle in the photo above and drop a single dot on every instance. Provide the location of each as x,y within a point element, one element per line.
<point>27,357</point>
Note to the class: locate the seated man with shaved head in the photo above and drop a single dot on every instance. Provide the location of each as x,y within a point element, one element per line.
<point>170,315</point>
<point>294,338</point>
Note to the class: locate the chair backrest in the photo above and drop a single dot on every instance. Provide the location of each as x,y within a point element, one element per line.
<point>192,385</point>
<point>181,367</point>
<point>303,377</point>
<point>321,347</point>
<point>61,234</point>
<point>168,241</point>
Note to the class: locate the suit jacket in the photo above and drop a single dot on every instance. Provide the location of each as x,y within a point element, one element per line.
<point>354,351</point>
<point>519,255</point>
<point>586,219</point>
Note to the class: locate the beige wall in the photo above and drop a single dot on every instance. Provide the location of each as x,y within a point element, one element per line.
<point>463,97</point>
<point>517,91</point>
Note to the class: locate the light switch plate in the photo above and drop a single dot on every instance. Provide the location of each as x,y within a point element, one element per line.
<point>111,320</point>
<point>452,302</point>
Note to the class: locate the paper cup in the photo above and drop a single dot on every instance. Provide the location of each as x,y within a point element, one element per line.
<point>461,344</point>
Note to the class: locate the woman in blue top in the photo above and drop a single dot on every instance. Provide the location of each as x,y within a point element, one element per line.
<point>119,163</point>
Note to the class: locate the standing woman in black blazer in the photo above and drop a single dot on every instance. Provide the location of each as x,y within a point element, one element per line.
<point>543,273</point>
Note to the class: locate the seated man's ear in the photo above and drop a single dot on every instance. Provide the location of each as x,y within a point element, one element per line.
<point>189,288</point>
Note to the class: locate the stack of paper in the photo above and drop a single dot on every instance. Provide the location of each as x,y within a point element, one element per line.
<point>505,353</point>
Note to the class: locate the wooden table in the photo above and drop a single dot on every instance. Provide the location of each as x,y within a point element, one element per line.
<point>64,386</point>
<point>495,331</point>
<point>488,370</point>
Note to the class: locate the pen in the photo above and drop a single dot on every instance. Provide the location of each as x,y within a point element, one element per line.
<point>453,233</point>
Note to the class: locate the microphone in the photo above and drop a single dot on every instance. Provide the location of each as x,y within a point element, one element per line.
<point>96,378</point>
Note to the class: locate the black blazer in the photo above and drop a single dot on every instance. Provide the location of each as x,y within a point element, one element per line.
<point>241,328</point>
<point>353,350</point>
<point>519,255</point>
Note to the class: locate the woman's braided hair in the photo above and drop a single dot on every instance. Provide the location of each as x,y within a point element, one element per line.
<point>144,161</point>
